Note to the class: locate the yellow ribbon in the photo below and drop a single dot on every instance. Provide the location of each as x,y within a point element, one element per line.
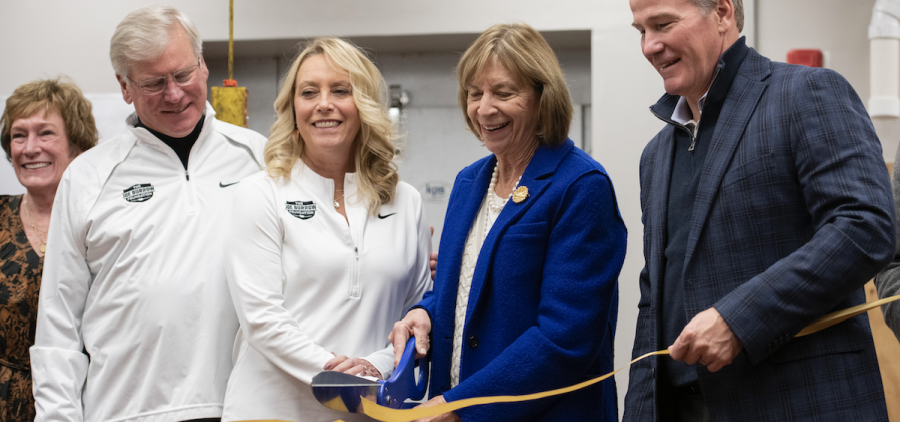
<point>386,414</point>
<point>842,315</point>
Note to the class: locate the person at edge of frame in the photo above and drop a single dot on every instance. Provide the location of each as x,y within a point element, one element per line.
<point>765,205</point>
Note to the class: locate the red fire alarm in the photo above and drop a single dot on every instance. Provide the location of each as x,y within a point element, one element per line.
<point>806,57</point>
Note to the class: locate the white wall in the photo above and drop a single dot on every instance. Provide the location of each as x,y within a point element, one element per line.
<point>837,27</point>
<point>43,39</point>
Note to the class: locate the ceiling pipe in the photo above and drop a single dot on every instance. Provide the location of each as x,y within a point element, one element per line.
<point>884,52</point>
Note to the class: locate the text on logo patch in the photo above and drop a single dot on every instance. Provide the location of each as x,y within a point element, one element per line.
<point>138,193</point>
<point>303,210</point>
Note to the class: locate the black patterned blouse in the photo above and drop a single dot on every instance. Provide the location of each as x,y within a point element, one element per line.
<point>20,283</point>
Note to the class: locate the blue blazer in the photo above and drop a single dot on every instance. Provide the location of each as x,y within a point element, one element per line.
<point>544,298</point>
<point>792,216</point>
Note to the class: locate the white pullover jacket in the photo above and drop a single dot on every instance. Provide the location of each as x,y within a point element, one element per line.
<point>133,276</point>
<point>306,284</point>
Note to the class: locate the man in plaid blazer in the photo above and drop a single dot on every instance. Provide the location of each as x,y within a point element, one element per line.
<point>768,212</point>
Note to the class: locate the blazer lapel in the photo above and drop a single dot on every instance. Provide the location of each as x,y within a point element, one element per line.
<point>746,90</point>
<point>463,212</point>
<point>536,178</point>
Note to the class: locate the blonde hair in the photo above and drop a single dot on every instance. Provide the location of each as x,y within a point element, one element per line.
<point>525,54</point>
<point>374,149</point>
<point>49,95</point>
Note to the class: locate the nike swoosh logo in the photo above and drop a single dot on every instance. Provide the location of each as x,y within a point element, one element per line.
<point>385,216</point>
<point>225,186</point>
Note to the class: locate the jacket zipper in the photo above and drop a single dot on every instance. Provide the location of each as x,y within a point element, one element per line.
<point>678,125</point>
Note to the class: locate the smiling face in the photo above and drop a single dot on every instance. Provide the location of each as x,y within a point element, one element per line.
<point>326,116</point>
<point>503,111</point>
<point>175,111</point>
<point>682,44</point>
<point>40,150</point>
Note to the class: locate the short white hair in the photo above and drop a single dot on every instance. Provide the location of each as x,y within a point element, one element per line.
<point>145,33</point>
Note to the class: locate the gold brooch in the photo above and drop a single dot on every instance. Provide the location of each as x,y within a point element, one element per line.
<point>520,194</point>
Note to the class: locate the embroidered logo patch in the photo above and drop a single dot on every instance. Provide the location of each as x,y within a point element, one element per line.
<point>303,210</point>
<point>138,193</point>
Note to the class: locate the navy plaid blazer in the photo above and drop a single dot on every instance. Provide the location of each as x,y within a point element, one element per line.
<point>792,216</point>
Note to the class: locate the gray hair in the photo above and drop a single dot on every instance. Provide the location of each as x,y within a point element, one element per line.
<point>707,6</point>
<point>145,33</point>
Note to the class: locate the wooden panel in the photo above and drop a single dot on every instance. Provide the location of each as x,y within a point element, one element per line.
<point>888,350</point>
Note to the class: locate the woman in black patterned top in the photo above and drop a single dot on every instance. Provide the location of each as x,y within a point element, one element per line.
<point>45,125</point>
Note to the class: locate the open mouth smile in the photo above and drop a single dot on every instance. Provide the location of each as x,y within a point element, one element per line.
<point>665,66</point>
<point>34,166</point>
<point>177,111</point>
<point>495,127</point>
<point>326,124</point>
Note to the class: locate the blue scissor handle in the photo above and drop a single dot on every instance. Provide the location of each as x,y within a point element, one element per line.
<point>403,383</point>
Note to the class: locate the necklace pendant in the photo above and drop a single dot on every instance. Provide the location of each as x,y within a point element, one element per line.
<point>43,248</point>
<point>520,194</point>
<point>336,204</point>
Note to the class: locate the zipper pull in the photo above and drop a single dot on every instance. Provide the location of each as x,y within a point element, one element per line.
<point>691,127</point>
<point>188,176</point>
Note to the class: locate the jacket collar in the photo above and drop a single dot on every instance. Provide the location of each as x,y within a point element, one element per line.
<point>144,135</point>
<point>726,70</point>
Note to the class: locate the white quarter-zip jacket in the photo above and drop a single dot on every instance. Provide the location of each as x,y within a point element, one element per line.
<point>308,284</point>
<point>134,277</point>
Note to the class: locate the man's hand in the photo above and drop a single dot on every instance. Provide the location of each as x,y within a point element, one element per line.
<point>444,417</point>
<point>433,261</point>
<point>415,323</point>
<point>706,339</point>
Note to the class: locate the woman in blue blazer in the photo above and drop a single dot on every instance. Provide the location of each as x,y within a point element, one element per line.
<point>525,297</point>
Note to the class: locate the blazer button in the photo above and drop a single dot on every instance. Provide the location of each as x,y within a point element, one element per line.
<point>473,342</point>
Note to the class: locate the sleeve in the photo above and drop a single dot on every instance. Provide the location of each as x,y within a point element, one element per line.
<point>639,400</point>
<point>59,367</point>
<point>846,190</point>
<point>420,274</point>
<point>254,273</point>
<point>887,282</point>
<point>585,250</point>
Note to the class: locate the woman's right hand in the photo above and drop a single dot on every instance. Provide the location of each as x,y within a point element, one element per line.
<point>416,323</point>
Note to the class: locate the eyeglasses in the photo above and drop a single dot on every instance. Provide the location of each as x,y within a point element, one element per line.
<point>152,86</point>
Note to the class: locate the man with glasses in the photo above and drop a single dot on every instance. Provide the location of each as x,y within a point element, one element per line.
<point>135,318</point>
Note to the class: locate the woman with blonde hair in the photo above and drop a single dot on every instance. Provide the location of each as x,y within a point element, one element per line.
<point>327,248</point>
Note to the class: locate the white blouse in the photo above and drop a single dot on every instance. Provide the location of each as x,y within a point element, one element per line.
<point>306,286</point>
<point>485,219</point>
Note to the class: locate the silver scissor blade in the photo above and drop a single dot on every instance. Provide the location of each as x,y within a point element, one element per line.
<point>342,392</point>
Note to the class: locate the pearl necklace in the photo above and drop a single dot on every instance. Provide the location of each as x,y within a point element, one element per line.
<point>491,203</point>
